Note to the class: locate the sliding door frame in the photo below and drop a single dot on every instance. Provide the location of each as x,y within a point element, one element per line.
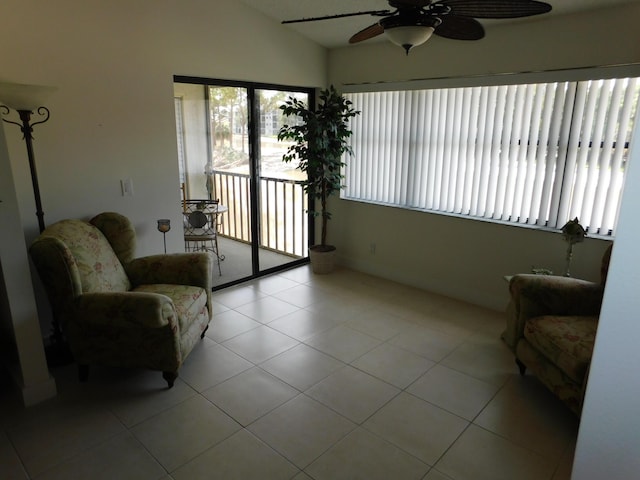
<point>253,126</point>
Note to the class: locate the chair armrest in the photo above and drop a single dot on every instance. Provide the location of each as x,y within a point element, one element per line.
<point>141,309</point>
<point>536,295</point>
<point>177,269</point>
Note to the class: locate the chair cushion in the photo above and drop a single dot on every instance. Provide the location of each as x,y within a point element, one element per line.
<point>120,233</point>
<point>99,268</point>
<point>567,341</point>
<point>190,302</point>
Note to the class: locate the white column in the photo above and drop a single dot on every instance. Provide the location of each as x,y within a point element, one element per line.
<point>20,318</point>
<point>609,439</point>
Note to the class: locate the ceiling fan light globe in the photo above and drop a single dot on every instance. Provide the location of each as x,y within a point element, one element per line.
<point>409,36</point>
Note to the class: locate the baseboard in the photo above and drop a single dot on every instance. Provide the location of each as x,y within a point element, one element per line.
<point>426,283</point>
<point>36,393</point>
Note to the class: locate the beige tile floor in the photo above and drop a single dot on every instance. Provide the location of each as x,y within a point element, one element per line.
<point>301,376</point>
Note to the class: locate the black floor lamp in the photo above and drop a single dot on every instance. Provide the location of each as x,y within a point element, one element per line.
<point>25,100</point>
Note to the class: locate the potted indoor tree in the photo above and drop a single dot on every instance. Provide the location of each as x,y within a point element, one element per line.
<point>320,138</point>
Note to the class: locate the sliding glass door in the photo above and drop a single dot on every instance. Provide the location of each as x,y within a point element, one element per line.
<point>283,205</point>
<point>228,151</point>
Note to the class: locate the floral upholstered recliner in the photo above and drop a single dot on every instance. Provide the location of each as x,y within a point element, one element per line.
<point>117,310</point>
<point>551,327</point>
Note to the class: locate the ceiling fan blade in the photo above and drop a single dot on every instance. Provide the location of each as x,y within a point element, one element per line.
<point>459,28</point>
<point>340,15</point>
<point>496,8</point>
<point>369,32</point>
<point>409,3</point>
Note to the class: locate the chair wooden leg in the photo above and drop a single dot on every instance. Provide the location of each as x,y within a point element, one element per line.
<point>170,377</point>
<point>521,366</point>
<point>204,331</point>
<point>83,373</point>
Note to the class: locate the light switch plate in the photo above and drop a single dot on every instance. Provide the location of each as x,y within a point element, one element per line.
<point>127,187</point>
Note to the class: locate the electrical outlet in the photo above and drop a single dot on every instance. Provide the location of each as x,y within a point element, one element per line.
<point>127,187</point>
<point>372,248</point>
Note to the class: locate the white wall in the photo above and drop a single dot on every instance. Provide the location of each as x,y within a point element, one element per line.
<point>113,115</point>
<point>463,258</point>
<point>608,443</point>
<point>453,256</point>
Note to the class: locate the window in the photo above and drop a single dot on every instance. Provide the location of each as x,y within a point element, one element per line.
<point>537,154</point>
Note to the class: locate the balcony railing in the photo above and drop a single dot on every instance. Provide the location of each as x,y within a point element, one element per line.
<point>284,222</point>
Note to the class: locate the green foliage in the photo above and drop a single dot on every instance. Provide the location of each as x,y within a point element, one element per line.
<point>225,157</point>
<point>319,142</point>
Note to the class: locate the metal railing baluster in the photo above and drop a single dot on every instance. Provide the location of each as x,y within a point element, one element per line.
<point>283,216</point>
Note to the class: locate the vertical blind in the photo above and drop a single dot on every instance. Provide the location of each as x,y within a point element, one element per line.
<point>177,103</point>
<point>537,154</point>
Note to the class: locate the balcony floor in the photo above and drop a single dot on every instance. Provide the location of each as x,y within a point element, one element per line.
<point>237,261</point>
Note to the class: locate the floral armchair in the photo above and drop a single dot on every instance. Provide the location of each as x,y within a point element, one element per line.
<point>551,327</point>
<point>118,310</point>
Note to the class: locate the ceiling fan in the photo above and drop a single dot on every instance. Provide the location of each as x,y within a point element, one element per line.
<point>412,22</point>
